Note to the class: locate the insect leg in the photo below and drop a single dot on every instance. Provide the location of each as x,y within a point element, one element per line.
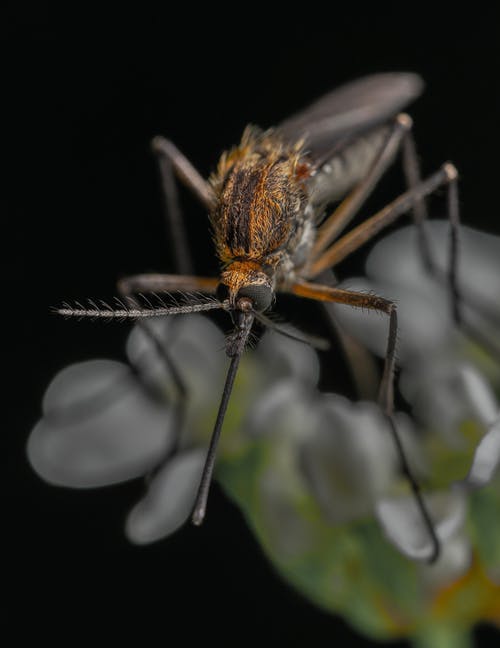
<point>454,218</point>
<point>184,170</point>
<point>172,162</point>
<point>354,239</point>
<point>360,361</point>
<point>153,283</point>
<point>349,207</point>
<point>412,172</point>
<point>162,283</point>
<point>411,169</point>
<point>386,391</point>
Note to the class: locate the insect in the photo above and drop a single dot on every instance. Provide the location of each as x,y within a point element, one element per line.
<point>268,202</point>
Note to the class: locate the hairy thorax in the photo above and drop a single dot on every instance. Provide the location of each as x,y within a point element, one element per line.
<point>260,220</point>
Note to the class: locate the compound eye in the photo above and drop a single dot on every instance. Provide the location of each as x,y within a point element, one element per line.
<point>260,295</point>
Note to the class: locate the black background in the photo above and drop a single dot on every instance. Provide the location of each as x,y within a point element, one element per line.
<point>84,93</point>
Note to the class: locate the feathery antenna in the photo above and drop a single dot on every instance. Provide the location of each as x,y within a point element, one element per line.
<point>124,311</point>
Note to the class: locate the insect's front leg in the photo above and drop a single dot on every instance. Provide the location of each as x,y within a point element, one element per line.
<point>386,392</point>
<point>361,363</point>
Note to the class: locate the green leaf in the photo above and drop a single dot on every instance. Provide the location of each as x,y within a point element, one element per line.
<point>443,636</point>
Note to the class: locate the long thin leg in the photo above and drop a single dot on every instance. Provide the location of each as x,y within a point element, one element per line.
<point>399,136</point>
<point>391,212</point>
<point>173,217</point>
<point>360,361</point>
<point>348,208</point>
<point>386,392</point>
<point>454,218</point>
<point>171,161</point>
<point>413,178</point>
<point>184,170</point>
<point>411,169</point>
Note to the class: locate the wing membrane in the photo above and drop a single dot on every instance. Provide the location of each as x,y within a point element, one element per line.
<point>352,109</point>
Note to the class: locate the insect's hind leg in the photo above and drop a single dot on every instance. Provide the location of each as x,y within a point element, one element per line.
<point>172,163</point>
<point>344,213</point>
<point>413,176</point>
<point>360,361</point>
<point>400,137</point>
<point>361,234</point>
<point>411,168</point>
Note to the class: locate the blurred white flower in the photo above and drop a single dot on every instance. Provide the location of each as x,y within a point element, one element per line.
<point>342,451</point>
<point>99,427</point>
<point>394,270</point>
<point>313,471</point>
<point>104,423</point>
<point>438,376</point>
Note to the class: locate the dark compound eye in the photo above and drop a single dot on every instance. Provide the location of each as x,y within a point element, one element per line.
<point>260,294</point>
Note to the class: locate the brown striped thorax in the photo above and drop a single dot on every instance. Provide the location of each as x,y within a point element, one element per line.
<point>260,222</point>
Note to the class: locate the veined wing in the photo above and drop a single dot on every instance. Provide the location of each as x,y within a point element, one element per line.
<point>352,109</point>
<point>344,130</point>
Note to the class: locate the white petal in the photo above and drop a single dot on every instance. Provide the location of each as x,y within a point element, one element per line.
<point>403,523</point>
<point>169,500</point>
<point>423,322</point>
<point>486,460</point>
<point>195,345</point>
<point>83,384</point>
<point>285,408</point>
<point>350,459</point>
<point>396,271</point>
<point>444,392</point>
<point>396,259</point>
<point>99,427</point>
<point>286,358</point>
<point>479,395</point>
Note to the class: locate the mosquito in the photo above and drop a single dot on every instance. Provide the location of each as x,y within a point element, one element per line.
<point>269,203</point>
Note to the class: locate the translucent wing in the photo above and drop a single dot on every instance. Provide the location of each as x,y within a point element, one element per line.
<point>352,109</point>
<point>344,130</point>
